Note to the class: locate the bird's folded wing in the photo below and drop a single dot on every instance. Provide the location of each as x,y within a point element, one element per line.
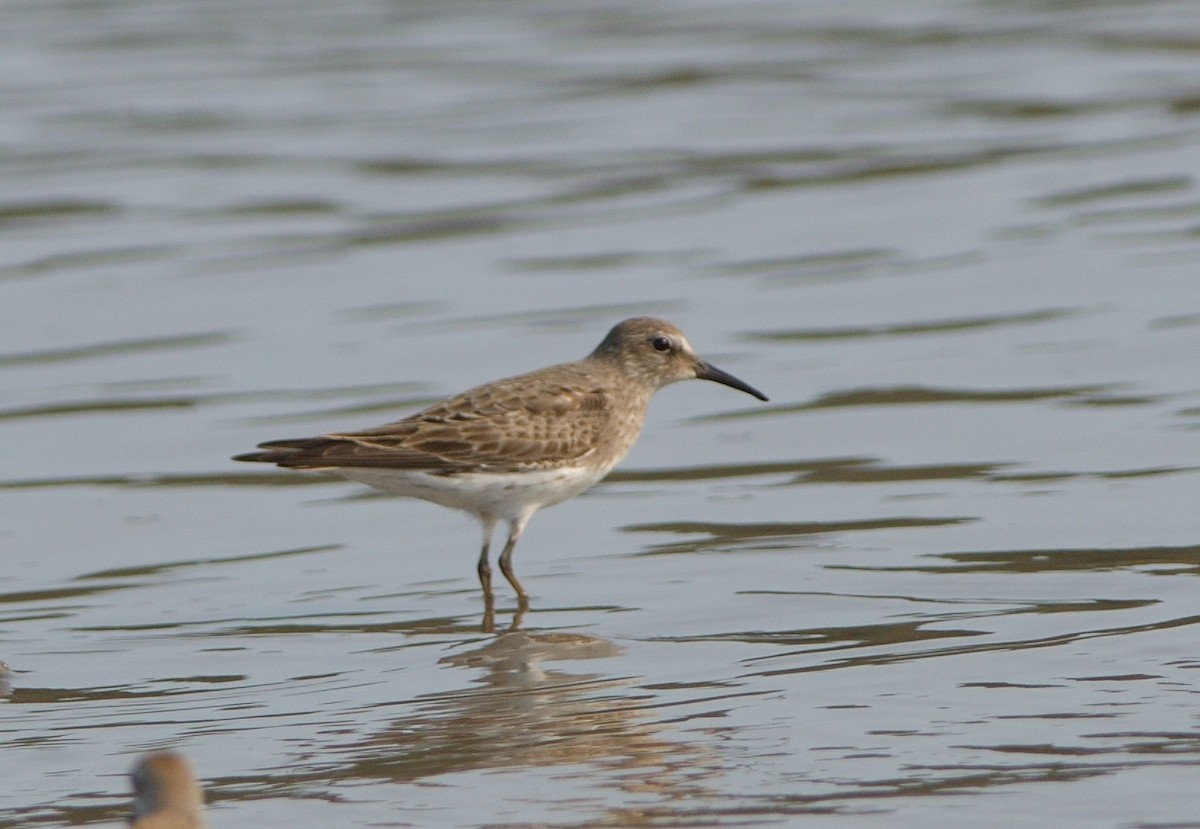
<point>502,428</point>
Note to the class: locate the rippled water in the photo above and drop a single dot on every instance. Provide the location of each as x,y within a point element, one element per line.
<point>945,577</point>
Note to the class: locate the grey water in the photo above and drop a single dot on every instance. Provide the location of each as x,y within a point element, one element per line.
<point>947,576</point>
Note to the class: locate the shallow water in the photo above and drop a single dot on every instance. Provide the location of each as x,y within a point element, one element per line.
<point>945,577</point>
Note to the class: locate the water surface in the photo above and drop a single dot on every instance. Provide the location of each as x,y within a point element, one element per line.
<point>945,577</point>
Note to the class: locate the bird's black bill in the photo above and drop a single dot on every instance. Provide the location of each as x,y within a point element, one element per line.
<point>707,371</point>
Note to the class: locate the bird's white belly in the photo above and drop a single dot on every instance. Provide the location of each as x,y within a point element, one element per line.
<point>495,494</point>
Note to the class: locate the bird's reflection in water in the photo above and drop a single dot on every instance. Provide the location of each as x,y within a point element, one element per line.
<point>522,714</point>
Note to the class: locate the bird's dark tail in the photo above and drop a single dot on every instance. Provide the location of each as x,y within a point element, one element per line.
<point>296,454</point>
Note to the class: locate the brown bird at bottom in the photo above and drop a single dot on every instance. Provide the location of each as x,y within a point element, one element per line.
<point>166,794</point>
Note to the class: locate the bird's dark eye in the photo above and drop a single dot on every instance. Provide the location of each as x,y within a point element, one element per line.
<point>661,344</point>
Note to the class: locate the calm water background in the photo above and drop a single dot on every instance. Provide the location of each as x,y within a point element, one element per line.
<point>946,577</point>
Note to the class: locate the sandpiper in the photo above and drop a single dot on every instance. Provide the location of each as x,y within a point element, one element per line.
<point>165,794</point>
<point>503,450</point>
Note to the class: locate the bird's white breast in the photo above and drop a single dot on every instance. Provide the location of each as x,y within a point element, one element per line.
<point>495,494</point>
